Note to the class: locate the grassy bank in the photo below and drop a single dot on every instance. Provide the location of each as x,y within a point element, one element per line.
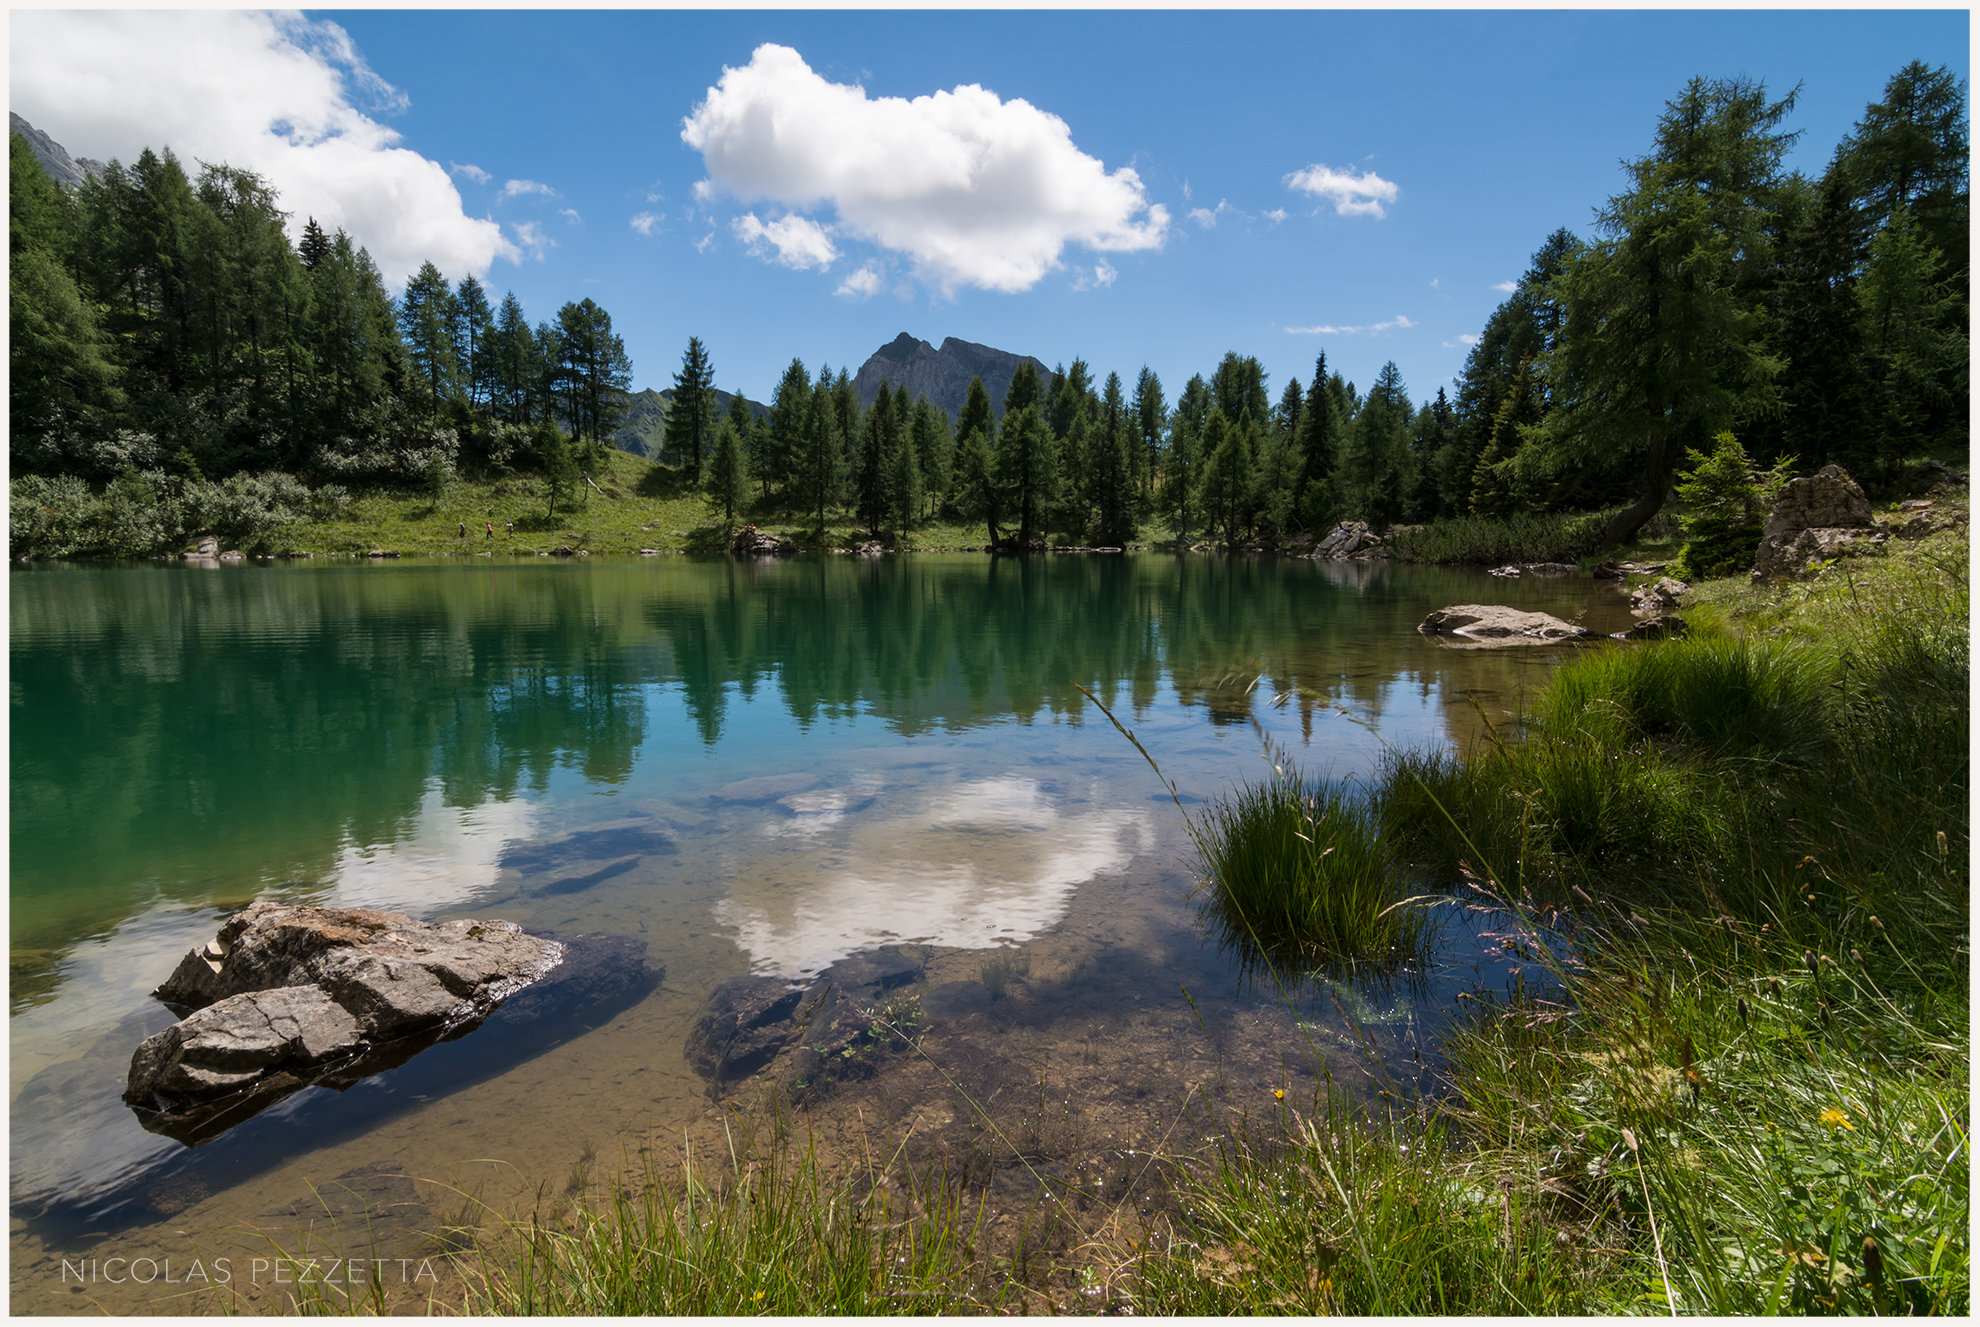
<point>1738,865</point>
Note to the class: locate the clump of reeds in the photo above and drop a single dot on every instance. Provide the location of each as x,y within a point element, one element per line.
<point>1294,869</point>
<point>1001,969</point>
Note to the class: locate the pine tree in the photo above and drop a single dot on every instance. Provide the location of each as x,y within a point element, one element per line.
<point>314,245</point>
<point>876,461</point>
<point>1026,456</point>
<point>473,329</point>
<point>426,320</point>
<point>1662,343</point>
<point>691,414</point>
<point>781,457</point>
<point>726,477</point>
<point>1151,418</point>
<point>934,451</point>
<point>1183,462</point>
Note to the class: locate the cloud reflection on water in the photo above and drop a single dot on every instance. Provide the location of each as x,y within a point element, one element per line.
<point>968,866</point>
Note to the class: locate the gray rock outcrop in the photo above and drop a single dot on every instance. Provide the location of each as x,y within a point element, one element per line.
<point>1820,517</point>
<point>751,542</point>
<point>919,369</point>
<point>1666,626</point>
<point>1495,624</point>
<point>65,170</point>
<point>1350,540</point>
<point>284,994</point>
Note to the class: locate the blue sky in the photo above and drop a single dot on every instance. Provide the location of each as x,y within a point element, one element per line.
<point>1163,225</point>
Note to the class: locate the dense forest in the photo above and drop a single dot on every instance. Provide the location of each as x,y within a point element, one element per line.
<point>177,365</point>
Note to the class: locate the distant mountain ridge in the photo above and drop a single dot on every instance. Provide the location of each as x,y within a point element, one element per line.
<point>646,422</point>
<point>907,363</point>
<point>64,169</point>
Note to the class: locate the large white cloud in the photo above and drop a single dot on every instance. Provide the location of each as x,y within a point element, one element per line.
<point>976,191</point>
<point>272,93</point>
<point>1351,194</point>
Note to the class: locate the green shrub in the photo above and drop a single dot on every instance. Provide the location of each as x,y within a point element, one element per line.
<point>1726,498</point>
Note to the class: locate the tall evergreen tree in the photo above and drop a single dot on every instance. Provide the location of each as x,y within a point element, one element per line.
<point>691,415</point>
<point>726,474</point>
<point>1151,420</point>
<point>871,499</point>
<point>426,319</point>
<point>1662,344</point>
<point>1184,460</point>
<point>473,329</point>
<point>1026,456</point>
<point>597,373</point>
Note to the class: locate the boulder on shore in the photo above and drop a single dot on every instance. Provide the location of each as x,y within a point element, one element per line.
<point>1816,519</point>
<point>1350,540</point>
<point>1659,598</point>
<point>1495,624</point>
<point>751,542</point>
<point>286,995</point>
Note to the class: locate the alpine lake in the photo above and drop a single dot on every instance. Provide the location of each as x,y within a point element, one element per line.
<point>818,761</point>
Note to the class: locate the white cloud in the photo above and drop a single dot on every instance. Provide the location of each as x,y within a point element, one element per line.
<point>707,241</point>
<point>1207,217</point>
<point>1464,339</point>
<point>469,169</point>
<point>1507,286</point>
<point>1331,330</point>
<point>863,284</point>
<point>530,236</point>
<point>974,190</point>
<point>800,242</point>
<point>644,222</point>
<point>1276,215</point>
<point>517,188</point>
<point>272,93</point>
<point>1099,278</point>
<point>572,214</point>
<point>1352,195</point>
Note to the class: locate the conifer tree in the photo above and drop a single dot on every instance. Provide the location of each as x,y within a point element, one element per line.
<point>1151,417</point>
<point>691,414</point>
<point>726,474</point>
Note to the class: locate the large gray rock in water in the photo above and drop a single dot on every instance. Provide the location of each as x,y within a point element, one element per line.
<point>1495,624</point>
<point>1659,598</point>
<point>291,993</point>
<point>1817,518</point>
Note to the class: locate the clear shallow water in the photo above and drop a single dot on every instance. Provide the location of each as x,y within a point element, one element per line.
<point>185,741</point>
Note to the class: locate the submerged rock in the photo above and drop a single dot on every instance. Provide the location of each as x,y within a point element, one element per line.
<point>751,542</point>
<point>828,1022</point>
<point>1495,624</point>
<point>284,997</point>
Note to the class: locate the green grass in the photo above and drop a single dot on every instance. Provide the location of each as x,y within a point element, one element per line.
<point>1494,540</point>
<point>638,505</point>
<point>1293,873</point>
<point>765,1232</point>
<point>1739,1082</point>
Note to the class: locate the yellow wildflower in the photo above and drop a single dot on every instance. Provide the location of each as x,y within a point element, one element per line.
<point>1835,1119</point>
<point>1279,1092</point>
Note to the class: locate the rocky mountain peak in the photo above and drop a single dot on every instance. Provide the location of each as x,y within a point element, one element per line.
<point>909,364</point>
<point>64,169</point>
